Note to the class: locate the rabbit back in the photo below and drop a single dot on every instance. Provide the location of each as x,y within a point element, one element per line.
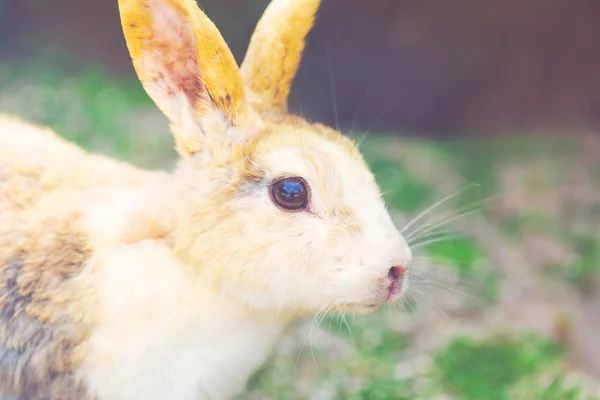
<point>45,184</point>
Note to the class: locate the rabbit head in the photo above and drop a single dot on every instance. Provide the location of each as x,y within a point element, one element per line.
<point>281,214</point>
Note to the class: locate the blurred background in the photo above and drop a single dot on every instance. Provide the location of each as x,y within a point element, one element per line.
<point>505,94</point>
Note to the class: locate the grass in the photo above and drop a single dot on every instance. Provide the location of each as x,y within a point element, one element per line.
<point>488,369</point>
<point>392,354</point>
<point>587,266</point>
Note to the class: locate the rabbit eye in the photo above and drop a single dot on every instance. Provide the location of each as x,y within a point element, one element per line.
<point>290,194</point>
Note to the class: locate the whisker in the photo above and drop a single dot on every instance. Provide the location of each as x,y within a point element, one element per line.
<point>432,234</point>
<point>378,76</point>
<point>447,287</point>
<point>468,209</point>
<point>426,243</point>
<point>441,220</point>
<point>391,311</point>
<point>438,310</point>
<point>469,284</point>
<point>469,290</point>
<point>434,206</point>
<point>421,302</point>
<point>435,262</point>
<point>348,326</point>
<point>446,219</point>
<point>362,139</point>
<point>411,305</point>
<point>407,302</point>
<point>316,327</point>
<point>382,114</point>
<point>318,315</point>
<point>342,314</point>
<point>332,86</point>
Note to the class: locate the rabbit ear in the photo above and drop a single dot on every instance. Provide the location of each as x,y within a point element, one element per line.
<point>185,66</point>
<point>275,50</point>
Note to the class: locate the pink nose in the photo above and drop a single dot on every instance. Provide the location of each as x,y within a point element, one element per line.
<point>396,273</point>
<point>396,277</point>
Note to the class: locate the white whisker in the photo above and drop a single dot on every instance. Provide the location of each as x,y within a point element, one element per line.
<point>447,287</point>
<point>372,86</point>
<point>332,86</point>
<point>426,243</point>
<point>433,234</point>
<point>438,310</point>
<point>343,319</point>
<point>446,219</point>
<point>434,206</point>
<point>319,315</point>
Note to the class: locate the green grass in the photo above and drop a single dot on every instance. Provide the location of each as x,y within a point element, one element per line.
<point>461,252</point>
<point>473,370</point>
<point>384,389</point>
<point>94,110</point>
<point>559,390</point>
<point>587,265</point>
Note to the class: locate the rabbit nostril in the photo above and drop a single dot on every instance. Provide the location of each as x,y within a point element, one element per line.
<point>395,273</point>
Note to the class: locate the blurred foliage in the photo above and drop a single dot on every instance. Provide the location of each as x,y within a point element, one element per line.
<point>588,264</point>
<point>97,100</point>
<point>91,108</point>
<point>488,369</point>
<point>402,190</point>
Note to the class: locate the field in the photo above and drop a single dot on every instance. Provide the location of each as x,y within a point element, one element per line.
<point>505,288</point>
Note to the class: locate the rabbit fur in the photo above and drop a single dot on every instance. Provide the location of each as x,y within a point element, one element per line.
<point>118,283</point>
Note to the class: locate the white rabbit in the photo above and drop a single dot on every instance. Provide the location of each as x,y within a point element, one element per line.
<point>123,284</point>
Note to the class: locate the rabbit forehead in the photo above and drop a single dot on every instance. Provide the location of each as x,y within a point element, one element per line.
<point>315,147</point>
<point>339,178</point>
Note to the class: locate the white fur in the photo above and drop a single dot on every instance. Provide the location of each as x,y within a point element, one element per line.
<point>165,333</point>
<point>165,336</point>
<point>193,276</point>
<point>162,332</point>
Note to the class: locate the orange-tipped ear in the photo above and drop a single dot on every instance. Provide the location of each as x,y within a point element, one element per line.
<point>184,65</point>
<point>275,51</point>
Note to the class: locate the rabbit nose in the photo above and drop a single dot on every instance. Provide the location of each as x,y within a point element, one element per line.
<point>396,277</point>
<point>396,273</point>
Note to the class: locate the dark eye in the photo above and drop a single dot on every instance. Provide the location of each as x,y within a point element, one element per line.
<point>290,194</point>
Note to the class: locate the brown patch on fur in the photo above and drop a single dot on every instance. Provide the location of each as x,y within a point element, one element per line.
<point>41,257</point>
<point>45,302</point>
<point>143,227</point>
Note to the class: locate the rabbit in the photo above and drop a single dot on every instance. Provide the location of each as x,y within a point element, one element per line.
<point>119,283</point>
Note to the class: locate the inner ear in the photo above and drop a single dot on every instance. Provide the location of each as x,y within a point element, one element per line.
<point>187,68</point>
<point>177,60</point>
<point>170,67</point>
